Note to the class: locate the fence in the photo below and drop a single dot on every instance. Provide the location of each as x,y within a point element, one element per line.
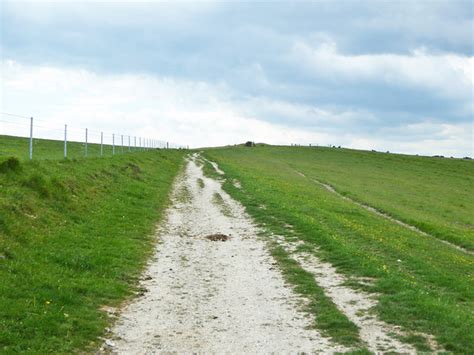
<point>46,139</point>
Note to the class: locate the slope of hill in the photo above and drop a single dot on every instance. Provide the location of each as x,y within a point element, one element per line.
<point>421,283</point>
<point>74,236</point>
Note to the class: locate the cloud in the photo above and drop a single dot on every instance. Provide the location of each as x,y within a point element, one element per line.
<point>197,113</point>
<point>186,112</point>
<point>359,74</point>
<point>448,75</point>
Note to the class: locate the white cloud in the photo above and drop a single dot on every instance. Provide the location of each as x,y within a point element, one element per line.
<point>424,138</point>
<point>187,112</point>
<point>193,113</point>
<point>447,75</point>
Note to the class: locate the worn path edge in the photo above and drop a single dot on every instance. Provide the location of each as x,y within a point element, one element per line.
<point>207,296</point>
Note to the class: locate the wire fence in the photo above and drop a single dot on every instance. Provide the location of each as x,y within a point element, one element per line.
<point>22,135</point>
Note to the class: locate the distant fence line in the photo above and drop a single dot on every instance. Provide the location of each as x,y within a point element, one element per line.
<point>115,141</point>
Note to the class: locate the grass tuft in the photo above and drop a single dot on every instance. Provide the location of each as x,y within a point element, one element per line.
<point>11,164</point>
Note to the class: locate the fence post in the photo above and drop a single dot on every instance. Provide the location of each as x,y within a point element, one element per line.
<point>129,143</point>
<point>31,138</point>
<point>85,152</point>
<point>113,143</point>
<point>65,141</point>
<point>140,144</point>
<point>167,145</point>
<point>121,141</point>
<point>101,143</point>
<point>135,143</point>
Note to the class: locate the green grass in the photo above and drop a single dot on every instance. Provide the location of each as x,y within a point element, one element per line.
<point>54,149</point>
<point>432,194</point>
<point>74,236</point>
<point>221,204</point>
<point>329,319</point>
<point>422,284</point>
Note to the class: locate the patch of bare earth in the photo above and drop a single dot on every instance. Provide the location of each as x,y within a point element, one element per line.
<point>212,286</point>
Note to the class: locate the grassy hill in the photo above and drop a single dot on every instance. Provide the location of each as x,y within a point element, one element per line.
<point>53,149</point>
<point>421,283</point>
<point>74,236</point>
<point>75,233</point>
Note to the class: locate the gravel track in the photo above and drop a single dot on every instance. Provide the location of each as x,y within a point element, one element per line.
<point>205,296</point>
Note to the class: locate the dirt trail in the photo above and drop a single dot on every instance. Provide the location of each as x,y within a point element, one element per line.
<point>384,215</point>
<point>356,305</point>
<point>212,295</point>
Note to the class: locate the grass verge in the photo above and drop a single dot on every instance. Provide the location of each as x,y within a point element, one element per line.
<point>422,285</point>
<point>74,236</point>
<point>328,319</point>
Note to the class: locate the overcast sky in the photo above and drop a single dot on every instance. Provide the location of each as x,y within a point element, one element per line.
<point>382,75</point>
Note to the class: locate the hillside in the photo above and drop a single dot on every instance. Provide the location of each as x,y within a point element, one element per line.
<point>54,149</point>
<point>329,200</point>
<point>74,236</point>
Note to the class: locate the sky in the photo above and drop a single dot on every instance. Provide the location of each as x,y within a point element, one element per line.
<point>383,75</point>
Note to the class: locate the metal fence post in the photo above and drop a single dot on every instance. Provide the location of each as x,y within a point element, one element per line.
<point>31,138</point>
<point>167,145</point>
<point>85,152</point>
<point>65,141</point>
<point>135,143</point>
<point>129,143</point>
<point>113,143</point>
<point>101,143</point>
<point>121,141</point>
<point>140,144</point>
